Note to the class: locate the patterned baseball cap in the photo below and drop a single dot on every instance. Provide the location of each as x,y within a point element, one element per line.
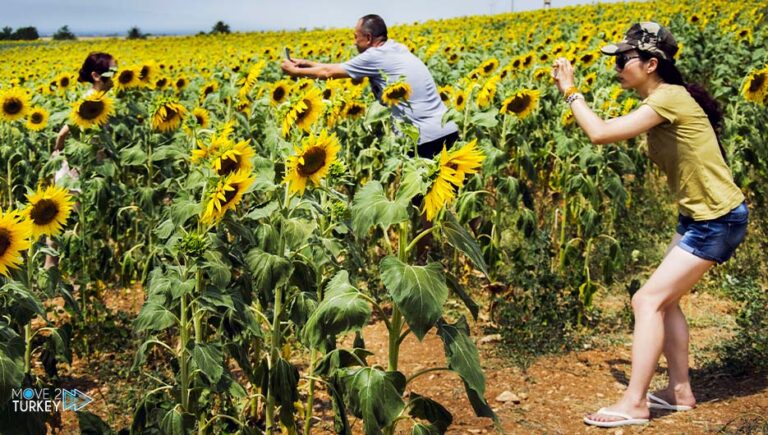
<point>649,37</point>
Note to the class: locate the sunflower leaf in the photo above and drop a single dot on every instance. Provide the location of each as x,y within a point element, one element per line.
<point>418,291</point>
<point>462,240</point>
<point>375,396</point>
<point>372,207</point>
<point>342,310</point>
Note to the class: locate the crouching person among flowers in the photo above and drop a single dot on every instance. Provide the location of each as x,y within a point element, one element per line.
<point>681,122</point>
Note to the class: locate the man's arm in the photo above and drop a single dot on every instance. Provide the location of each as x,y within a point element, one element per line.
<point>315,70</point>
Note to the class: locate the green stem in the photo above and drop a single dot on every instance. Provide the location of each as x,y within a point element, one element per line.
<point>182,354</point>
<point>419,237</point>
<point>310,394</point>
<point>396,321</point>
<point>273,356</point>
<point>28,348</point>
<point>9,180</point>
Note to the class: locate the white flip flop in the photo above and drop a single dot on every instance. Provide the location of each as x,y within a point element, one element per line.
<point>628,419</point>
<point>657,402</point>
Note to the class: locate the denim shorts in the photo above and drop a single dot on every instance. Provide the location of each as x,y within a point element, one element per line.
<point>714,239</point>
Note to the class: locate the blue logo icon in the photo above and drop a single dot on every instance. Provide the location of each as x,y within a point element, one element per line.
<point>74,400</point>
<point>28,393</point>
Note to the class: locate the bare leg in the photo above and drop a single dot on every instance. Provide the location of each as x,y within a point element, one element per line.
<point>676,275</point>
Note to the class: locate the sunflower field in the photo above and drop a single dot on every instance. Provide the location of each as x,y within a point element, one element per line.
<point>269,220</point>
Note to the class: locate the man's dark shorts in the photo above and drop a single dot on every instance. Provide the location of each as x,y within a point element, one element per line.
<point>429,150</point>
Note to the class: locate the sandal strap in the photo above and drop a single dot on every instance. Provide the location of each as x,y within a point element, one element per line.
<point>615,414</point>
<point>659,400</point>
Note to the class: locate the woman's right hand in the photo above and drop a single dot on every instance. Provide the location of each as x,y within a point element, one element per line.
<point>562,72</point>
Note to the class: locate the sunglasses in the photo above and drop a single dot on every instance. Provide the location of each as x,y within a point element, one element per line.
<point>109,73</point>
<point>622,59</point>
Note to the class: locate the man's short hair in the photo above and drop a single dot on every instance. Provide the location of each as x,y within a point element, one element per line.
<point>374,25</point>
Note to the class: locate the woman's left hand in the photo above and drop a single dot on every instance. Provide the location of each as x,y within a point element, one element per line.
<point>562,72</point>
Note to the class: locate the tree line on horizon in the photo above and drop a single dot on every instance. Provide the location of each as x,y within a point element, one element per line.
<point>30,33</point>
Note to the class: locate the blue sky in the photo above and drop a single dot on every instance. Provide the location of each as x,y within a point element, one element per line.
<point>190,16</point>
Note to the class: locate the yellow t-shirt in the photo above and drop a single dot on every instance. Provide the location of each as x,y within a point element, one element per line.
<point>685,148</point>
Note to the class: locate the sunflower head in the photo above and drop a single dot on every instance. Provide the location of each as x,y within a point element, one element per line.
<point>226,195</point>
<point>280,92</point>
<point>396,93</point>
<point>127,78</point>
<point>37,119</point>
<point>459,100</point>
<point>93,110</point>
<point>521,103</point>
<point>202,117</point>
<point>14,104</point>
<point>445,92</point>
<point>756,85</point>
<point>354,109</point>
<point>15,234</point>
<point>311,161</point>
<point>304,111</point>
<point>450,175</point>
<point>167,115</point>
<point>48,210</point>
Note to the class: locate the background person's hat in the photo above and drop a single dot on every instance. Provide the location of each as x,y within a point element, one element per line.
<point>649,37</point>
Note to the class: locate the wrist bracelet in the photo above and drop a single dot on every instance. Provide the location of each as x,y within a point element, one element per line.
<point>570,91</point>
<point>574,97</point>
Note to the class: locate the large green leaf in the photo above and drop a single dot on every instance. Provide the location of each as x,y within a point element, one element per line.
<point>268,270</point>
<point>375,396</point>
<point>372,207</point>
<point>341,358</point>
<point>418,291</point>
<point>284,381</point>
<point>462,240</point>
<point>209,359</point>
<point>433,412</point>
<point>176,422</point>
<point>154,316</point>
<point>422,429</point>
<point>459,291</point>
<point>91,424</point>
<point>464,359</point>
<point>11,361</point>
<point>344,309</point>
<point>412,183</point>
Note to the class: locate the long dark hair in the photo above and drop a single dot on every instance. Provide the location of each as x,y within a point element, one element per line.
<point>670,74</point>
<point>97,62</point>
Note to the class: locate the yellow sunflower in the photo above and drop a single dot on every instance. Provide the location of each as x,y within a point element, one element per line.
<point>15,233</point>
<point>226,196</point>
<point>305,111</point>
<point>445,92</point>
<point>396,93</point>
<point>93,110</point>
<point>487,92</point>
<point>147,73</point>
<point>567,118</point>
<point>48,210</point>
<point>354,109</point>
<point>14,104</point>
<point>488,66</point>
<point>233,157</point>
<point>126,79</point>
<point>218,141</point>
<point>756,85</point>
<point>202,117</point>
<point>521,103</point>
<point>180,83</point>
<point>161,83</point>
<point>452,170</point>
<point>208,89</point>
<point>63,81</point>
<point>280,91</point>
<point>311,161</point>
<point>168,115</point>
<point>37,119</point>
<point>459,100</point>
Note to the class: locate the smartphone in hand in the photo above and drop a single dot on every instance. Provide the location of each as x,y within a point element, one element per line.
<point>288,54</point>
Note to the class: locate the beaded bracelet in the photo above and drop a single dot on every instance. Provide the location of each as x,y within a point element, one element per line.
<point>570,91</point>
<point>574,97</point>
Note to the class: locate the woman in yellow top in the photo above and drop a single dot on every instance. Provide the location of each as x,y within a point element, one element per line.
<point>681,121</point>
